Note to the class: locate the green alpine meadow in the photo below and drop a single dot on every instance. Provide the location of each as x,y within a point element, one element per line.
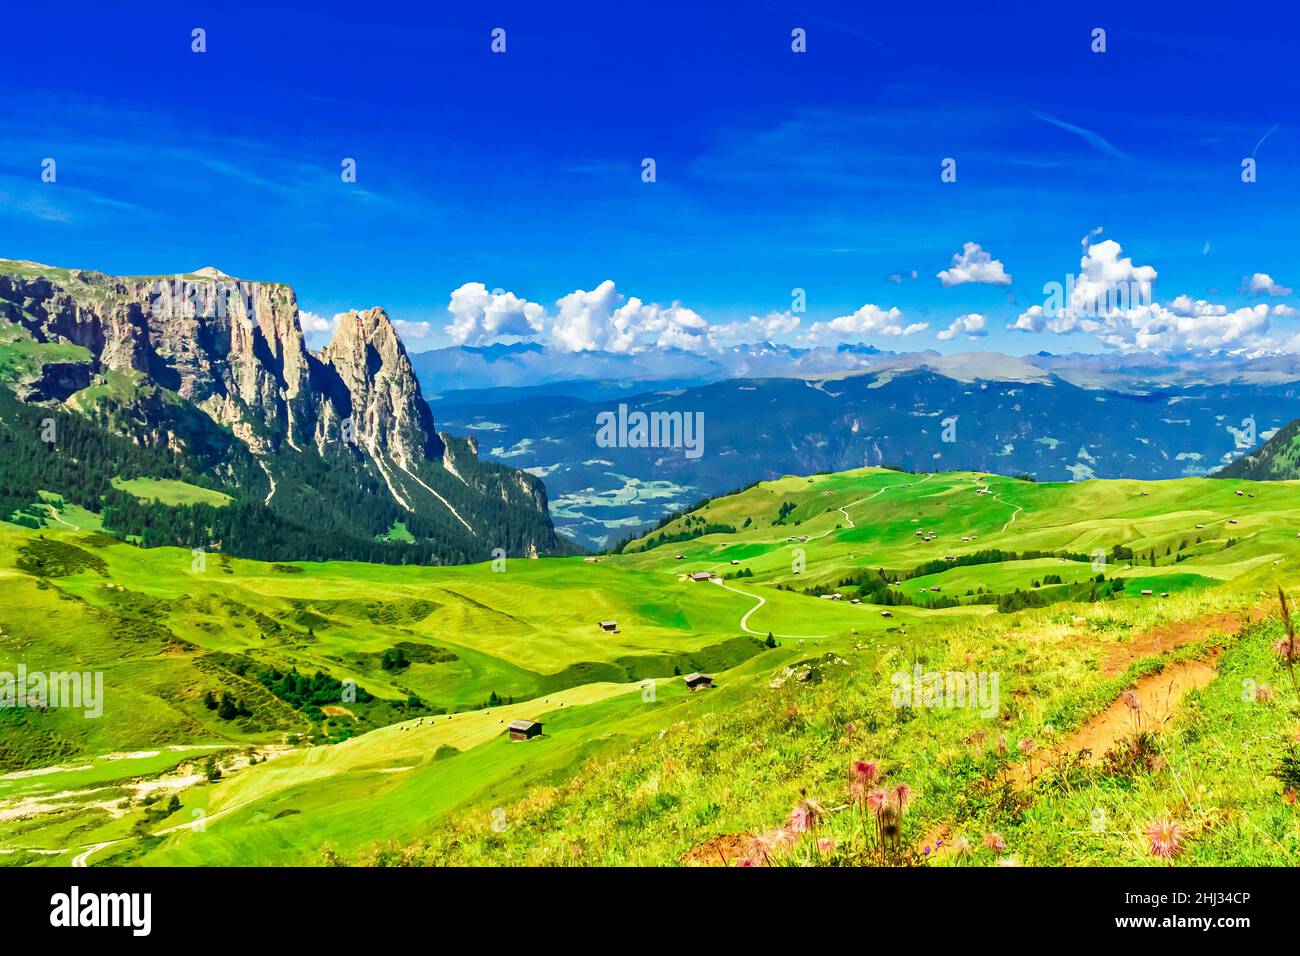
<point>938,669</point>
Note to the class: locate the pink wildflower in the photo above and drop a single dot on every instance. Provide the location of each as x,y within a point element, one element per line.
<point>902,795</point>
<point>862,775</point>
<point>805,815</point>
<point>866,771</point>
<point>1166,838</point>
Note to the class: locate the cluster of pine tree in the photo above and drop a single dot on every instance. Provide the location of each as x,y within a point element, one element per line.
<point>694,526</point>
<point>319,512</point>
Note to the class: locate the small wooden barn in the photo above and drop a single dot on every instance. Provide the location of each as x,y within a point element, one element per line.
<point>610,626</point>
<point>698,681</point>
<point>525,729</point>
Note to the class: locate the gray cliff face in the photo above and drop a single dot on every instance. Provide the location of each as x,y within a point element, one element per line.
<point>236,350</point>
<point>388,410</point>
<point>233,349</point>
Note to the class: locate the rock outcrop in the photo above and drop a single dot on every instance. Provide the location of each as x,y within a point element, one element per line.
<point>388,409</point>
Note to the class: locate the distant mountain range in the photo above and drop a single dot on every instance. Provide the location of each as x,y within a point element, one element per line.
<point>1084,418</point>
<point>554,371</point>
<point>488,369</point>
<point>205,380</point>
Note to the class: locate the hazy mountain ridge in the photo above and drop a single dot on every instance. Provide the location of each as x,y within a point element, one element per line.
<point>533,365</point>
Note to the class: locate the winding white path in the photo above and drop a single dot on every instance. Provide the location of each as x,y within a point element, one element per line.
<point>852,504</point>
<point>1013,514</point>
<point>54,513</point>
<point>744,620</point>
<point>80,860</point>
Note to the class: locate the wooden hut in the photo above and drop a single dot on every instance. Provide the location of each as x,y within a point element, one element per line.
<point>698,681</point>
<point>525,729</point>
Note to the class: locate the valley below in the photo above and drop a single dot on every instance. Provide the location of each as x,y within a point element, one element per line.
<point>983,413</point>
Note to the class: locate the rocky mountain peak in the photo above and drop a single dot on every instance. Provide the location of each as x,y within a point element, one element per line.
<point>388,409</point>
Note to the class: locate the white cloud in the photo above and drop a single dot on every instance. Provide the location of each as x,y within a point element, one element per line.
<point>413,330</point>
<point>972,325</point>
<point>1289,345</point>
<point>1184,324</point>
<point>605,319</point>
<point>313,324</point>
<point>1111,298</point>
<point>1178,325</point>
<point>1108,283</point>
<point>973,264</point>
<point>480,316</point>
<point>868,320</point>
<point>756,328</point>
<point>1261,283</point>
<point>1033,319</point>
<point>316,329</point>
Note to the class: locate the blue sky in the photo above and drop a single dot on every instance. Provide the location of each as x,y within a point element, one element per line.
<point>775,170</point>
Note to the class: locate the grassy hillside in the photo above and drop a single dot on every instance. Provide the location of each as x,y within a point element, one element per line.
<point>168,491</point>
<point>1278,459</point>
<point>1046,593</point>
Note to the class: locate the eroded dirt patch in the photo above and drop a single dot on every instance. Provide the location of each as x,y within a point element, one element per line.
<point>1175,634</point>
<point>1149,707</point>
<point>722,850</point>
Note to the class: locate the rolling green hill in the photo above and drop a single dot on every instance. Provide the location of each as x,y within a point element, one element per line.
<point>1046,591</point>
